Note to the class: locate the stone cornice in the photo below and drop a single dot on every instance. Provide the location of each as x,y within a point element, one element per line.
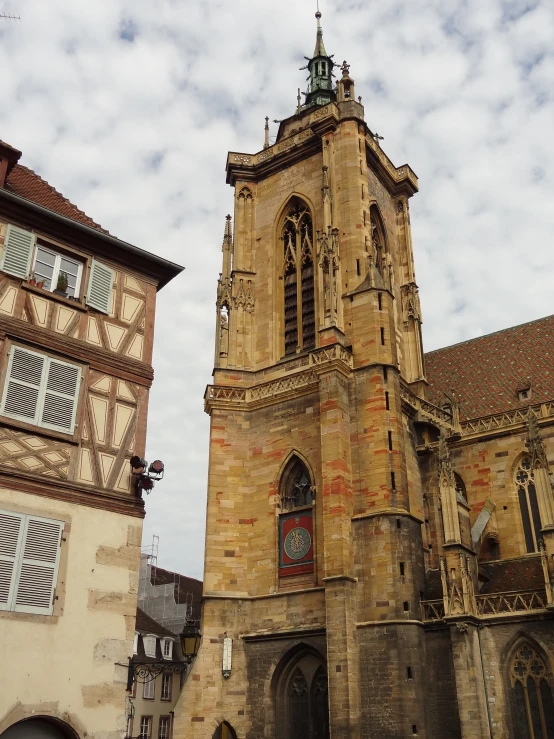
<point>397,180</point>
<point>287,387</point>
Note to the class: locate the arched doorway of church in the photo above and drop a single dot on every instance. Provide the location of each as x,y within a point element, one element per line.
<point>302,707</point>
<point>39,728</point>
<point>224,731</point>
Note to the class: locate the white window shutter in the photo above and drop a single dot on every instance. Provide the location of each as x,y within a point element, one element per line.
<point>18,252</point>
<point>11,535</point>
<point>100,283</point>
<point>39,566</point>
<point>22,389</point>
<point>60,396</point>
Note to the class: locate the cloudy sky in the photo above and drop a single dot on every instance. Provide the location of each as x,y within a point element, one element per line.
<point>129,108</point>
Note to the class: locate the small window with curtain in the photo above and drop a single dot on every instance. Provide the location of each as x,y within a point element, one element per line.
<point>145,727</point>
<point>149,690</point>
<point>166,686</point>
<point>56,272</point>
<point>165,724</point>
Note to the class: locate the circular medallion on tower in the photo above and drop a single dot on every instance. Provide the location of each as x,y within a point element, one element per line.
<point>297,543</point>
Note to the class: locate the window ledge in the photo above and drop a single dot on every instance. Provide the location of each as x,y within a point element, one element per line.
<point>76,304</point>
<point>39,430</point>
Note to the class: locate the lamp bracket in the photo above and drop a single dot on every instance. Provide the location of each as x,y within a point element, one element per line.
<point>145,672</point>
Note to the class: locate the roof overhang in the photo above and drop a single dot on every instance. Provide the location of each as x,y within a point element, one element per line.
<point>36,216</point>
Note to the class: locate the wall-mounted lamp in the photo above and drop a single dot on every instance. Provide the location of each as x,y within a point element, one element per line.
<point>143,480</point>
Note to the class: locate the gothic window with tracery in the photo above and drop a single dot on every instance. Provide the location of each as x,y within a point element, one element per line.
<point>299,279</point>
<point>296,486</point>
<point>302,700</point>
<point>528,504</point>
<point>533,708</point>
<point>378,240</point>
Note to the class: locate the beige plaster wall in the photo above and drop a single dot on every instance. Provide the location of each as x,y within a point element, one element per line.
<point>64,665</point>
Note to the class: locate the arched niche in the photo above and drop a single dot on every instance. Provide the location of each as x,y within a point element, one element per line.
<point>301,695</point>
<point>378,240</point>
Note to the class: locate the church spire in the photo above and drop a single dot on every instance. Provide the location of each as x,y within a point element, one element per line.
<point>320,91</point>
<point>319,45</point>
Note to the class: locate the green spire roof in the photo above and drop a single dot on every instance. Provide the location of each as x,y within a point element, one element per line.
<point>320,90</point>
<point>319,45</point>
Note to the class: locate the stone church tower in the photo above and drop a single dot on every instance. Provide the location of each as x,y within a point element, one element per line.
<point>342,569</point>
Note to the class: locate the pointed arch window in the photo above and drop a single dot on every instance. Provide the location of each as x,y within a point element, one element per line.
<point>296,486</point>
<point>299,279</point>
<point>378,240</point>
<point>302,700</point>
<point>532,704</point>
<point>528,503</point>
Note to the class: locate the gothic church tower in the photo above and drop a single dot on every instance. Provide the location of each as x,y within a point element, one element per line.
<point>314,553</point>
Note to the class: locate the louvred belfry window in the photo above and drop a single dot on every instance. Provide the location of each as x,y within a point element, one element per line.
<point>29,560</point>
<point>299,279</point>
<point>41,390</point>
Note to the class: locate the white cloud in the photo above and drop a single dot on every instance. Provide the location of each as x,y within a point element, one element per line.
<point>136,133</point>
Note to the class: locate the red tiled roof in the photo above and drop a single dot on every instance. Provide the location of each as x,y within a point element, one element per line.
<point>484,374</point>
<point>512,574</point>
<point>27,184</point>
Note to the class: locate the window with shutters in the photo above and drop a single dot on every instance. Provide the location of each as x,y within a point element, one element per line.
<point>17,252</point>
<point>29,561</point>
<point>50,266</point>
<point>299,279</point>
<point>100,284</point>
<point>149,643</point>
<point>41,390</point>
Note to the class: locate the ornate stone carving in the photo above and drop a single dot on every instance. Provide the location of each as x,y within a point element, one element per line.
<point>329,262</point>
<point>535,444</point>
<point>411,307</point>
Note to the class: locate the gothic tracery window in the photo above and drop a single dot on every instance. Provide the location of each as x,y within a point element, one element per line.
<point>302,700</point>
<point>528,504</point>
<point>533,708</point>
<point>299,279</point>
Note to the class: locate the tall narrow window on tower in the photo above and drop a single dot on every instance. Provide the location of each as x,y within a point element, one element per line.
<point>298,277</point>
<point>378,239</point>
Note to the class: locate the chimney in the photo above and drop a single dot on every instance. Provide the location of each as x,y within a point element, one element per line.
<point>9,157</point>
